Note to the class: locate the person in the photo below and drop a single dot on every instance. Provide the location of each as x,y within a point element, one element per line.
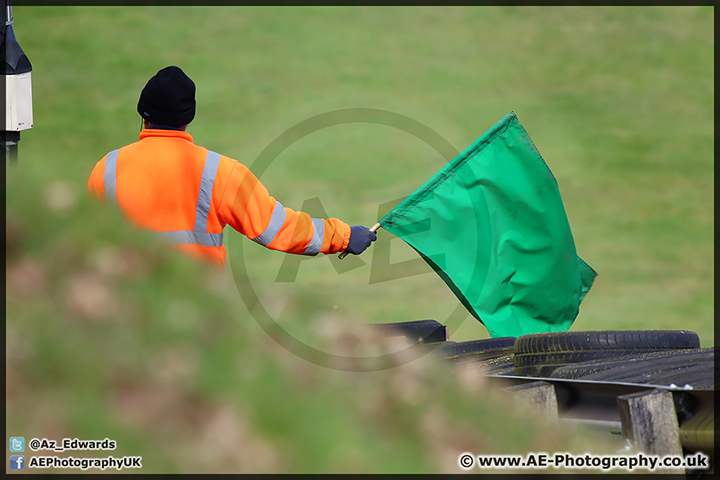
<point>187,194</point>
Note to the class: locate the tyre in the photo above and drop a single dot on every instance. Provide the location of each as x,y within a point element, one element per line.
<point>693,367</point>
<point>498,366</point>
<point>475,350</point>
<point>541,353</point>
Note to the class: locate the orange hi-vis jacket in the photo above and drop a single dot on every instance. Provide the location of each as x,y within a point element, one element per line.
<point>187,194</point>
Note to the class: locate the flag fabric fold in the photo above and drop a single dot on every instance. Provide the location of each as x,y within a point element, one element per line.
<point>491,223</point>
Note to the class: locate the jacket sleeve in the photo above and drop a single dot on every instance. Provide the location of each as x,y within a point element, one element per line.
<point>246,206</point>
<point>95,186</point>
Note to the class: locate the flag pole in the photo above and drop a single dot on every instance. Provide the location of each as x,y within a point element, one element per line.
<point>372,229</point>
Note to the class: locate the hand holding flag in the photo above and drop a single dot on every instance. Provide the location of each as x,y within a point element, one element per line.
<point>351,248</point>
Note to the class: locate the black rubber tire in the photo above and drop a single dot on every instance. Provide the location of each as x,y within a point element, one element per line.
<point>499,366</point>
<point>541,353</point>
<point>475,350</point>
<point>693,367</point>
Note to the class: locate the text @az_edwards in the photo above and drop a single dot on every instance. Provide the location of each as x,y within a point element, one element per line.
<point>71,444</point>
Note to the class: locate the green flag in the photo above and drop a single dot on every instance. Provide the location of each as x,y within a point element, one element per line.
<point>492,224</point>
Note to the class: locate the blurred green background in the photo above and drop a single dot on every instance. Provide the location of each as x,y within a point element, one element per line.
<point>108,335</point>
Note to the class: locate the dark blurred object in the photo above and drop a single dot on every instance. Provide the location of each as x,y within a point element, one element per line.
<point>18,87</point>
<point>417,331</point>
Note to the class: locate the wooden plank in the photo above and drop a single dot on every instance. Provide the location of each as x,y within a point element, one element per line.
<point>539,394</point>
<point>649,421</point>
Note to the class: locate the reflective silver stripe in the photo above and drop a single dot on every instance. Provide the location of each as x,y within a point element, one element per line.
<point>205,194</point>
<point>276,222</point>
<point>110,177</point>
<point>188,237</point>
<point>315,244</point>
<point>198,236</point>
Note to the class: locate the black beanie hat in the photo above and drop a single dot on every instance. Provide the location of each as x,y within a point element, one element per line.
<point>168,98</point>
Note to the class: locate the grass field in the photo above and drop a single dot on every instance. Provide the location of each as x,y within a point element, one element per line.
<point>107,335</point>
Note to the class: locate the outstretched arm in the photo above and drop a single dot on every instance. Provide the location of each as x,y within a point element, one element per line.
<point>247,207</point>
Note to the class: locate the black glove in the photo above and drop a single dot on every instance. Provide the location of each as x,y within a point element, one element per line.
<point>360,239</point>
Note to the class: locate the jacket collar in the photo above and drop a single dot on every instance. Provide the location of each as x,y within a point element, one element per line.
<point>157,132</point>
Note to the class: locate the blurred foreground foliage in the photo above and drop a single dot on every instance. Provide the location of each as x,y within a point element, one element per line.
<point>128,341</point>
